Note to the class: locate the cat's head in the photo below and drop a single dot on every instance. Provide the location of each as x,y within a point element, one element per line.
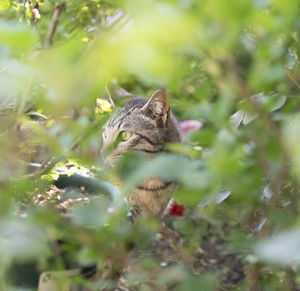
<point>141,125</point>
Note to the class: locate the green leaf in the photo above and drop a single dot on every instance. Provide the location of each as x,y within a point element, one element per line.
<point>20,239</point>
<point>94,214</point>
<point>282,249</point>
<point>17,36</point>
<point>4,4</point>
<point>207,282</point>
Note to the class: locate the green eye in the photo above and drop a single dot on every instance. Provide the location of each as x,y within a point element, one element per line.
<point>125,135</point>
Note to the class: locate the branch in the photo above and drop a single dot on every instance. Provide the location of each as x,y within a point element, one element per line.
<point>278,179</point>
<point>253,277</point>
<point>48,165</point>
<point>291,77</point>
<point>245,94</point>
<point>290,280</point>
<point>51,31</point>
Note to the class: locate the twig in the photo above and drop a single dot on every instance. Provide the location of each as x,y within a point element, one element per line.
<point>277,180</point>
<point>85,133</point>
<point>290,280</point>
<point>292,78</point>
<point>246,94</point>
<point>48,165</point>
<point>253,277</point>
<point>51,31</point>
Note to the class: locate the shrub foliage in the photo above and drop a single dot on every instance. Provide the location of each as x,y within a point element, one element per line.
<point>231,64</point>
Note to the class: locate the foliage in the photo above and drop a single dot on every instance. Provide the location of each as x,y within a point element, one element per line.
<point>233,65</point>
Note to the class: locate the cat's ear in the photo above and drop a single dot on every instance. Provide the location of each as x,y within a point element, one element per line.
<point>116,93</point>
<point>159,105</point>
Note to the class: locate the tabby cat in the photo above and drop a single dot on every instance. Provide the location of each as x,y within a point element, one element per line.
<point>146,126</point>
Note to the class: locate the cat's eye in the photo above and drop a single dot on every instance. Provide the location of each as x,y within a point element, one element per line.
<point>125,135</point>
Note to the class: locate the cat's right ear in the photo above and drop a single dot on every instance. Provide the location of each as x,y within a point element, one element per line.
<point>116,93</point>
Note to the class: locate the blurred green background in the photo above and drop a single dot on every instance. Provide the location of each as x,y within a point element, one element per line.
<point>231,64</point>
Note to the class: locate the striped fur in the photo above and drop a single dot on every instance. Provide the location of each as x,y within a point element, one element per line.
<point>152,125</point>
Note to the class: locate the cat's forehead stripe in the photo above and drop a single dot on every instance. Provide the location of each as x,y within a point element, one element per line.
<point>148,119</point>
<point>127,110</point>
<point>120,116</point>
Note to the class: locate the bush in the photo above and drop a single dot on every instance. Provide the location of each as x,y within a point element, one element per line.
<point>232,65</point>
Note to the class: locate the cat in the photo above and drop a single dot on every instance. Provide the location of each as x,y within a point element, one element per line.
<point>145,126</point>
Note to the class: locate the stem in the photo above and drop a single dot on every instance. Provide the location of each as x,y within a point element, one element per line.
<point>290,280</point>
<point>51,31</point>
<point>288,72</point>
<point>253,277</point>
<point>48,165</point>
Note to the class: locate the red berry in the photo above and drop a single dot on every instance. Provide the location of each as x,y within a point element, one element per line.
<point>176,209</point>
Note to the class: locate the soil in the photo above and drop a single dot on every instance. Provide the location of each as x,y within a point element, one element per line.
<point>168,247</point>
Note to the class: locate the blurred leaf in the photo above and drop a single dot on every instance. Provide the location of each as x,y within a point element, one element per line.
<point>20,239</point>
<point>16,36</point>
<point>210,55</point>
<point>207,282</point>
<point>282,249</point>
<point>219,198</point>
<point>4,4</point>
<point>94,214</point>
<point>165,166</point>
<point>292,139</point>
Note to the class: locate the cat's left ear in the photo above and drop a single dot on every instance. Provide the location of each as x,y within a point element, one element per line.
<point>159,105</point>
